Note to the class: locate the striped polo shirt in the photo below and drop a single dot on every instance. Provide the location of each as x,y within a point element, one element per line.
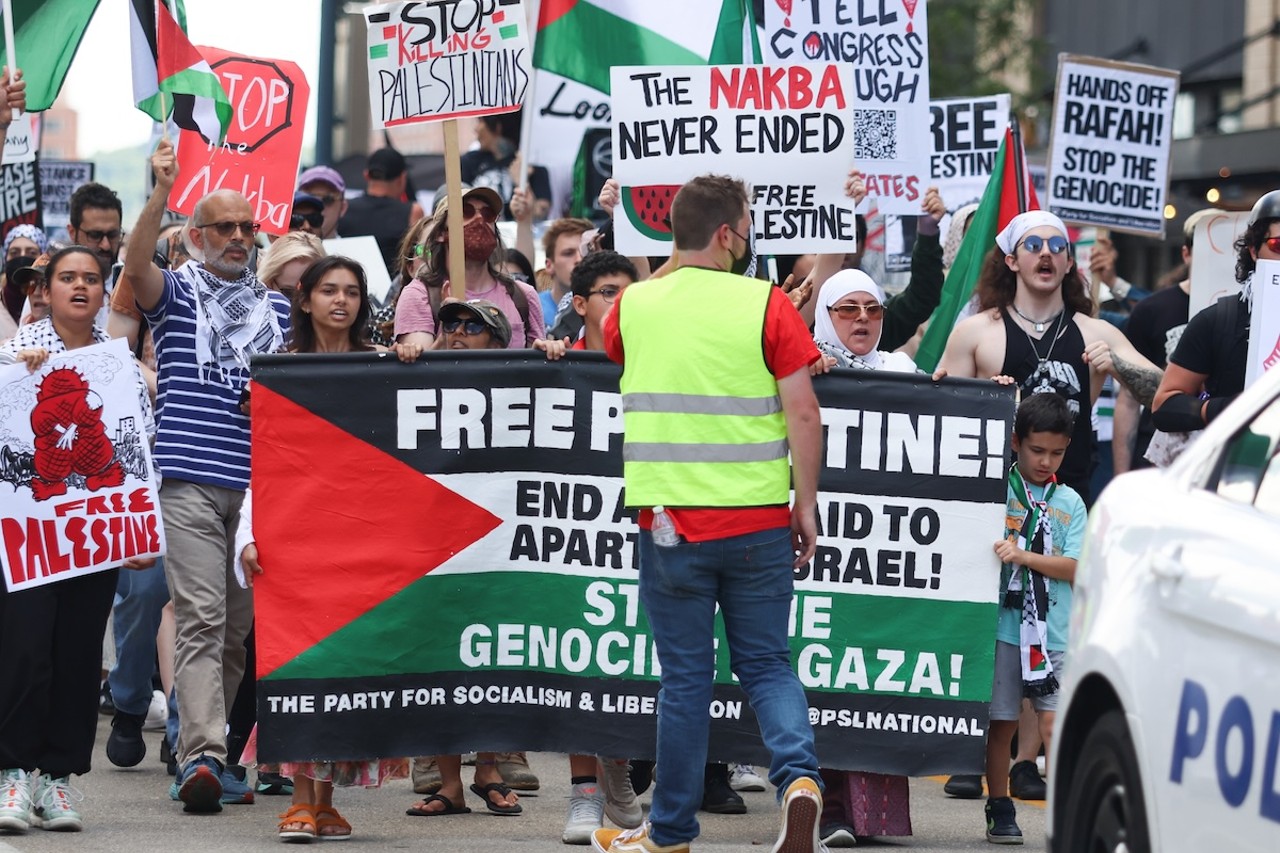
<point>201,434</point>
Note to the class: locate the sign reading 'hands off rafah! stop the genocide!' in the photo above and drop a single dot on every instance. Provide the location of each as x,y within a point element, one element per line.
<point>1109,155</point>
<point>446,60</point>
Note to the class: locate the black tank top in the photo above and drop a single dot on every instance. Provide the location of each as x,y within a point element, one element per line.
<point>385,219</point>
<point>1056,365</point>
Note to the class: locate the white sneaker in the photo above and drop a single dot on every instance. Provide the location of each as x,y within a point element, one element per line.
<point>801,809</point>
<point>620,803</point>
<point>51,805</point>
<point>15,800</point>
<point>743,777</point>
<point>157,714</point>
<point>586,813</point>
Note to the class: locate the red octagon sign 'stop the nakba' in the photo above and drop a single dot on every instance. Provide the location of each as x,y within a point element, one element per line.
<point>259,157</point>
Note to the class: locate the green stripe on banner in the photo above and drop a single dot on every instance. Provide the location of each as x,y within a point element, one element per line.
<point>377,51</point>
<point>594,628</point>
<point>510,32</point>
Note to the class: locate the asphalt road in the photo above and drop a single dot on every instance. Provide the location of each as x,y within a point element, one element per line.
<point>130,810</point>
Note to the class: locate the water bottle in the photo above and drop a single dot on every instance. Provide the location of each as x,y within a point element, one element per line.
<point>664,532</point>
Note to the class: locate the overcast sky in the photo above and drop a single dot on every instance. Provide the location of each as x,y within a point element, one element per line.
<point>99,85</point>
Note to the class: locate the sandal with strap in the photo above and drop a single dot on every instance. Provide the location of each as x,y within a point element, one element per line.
<point>301,814</point>
<point>327,817</point>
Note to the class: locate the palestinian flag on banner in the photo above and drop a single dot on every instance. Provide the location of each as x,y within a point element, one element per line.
<point>582,39</point>
<point>46,35</point>
<point>164,61</point>
<point>999,204</point>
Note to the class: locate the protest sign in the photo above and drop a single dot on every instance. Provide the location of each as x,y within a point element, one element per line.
<point>1213,263</point>
<point>887,45</point>
<point>510,490</point>
<point>58,180</point>
<point>364,251</point>
<point>73,451</point>
<point>1264,326</point>
<point>1109,151</point>
<point>259,158</point>
<point>19,196</point>
<point>783,130</point>
<point>434,61</point>
<point>966,135</point>
<point>20,141</point>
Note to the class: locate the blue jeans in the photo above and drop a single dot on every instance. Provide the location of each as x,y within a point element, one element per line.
<point>750,577</point>
<point>140,597</point>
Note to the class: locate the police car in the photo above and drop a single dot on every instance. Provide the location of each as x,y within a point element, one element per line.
<point>1168,731</point>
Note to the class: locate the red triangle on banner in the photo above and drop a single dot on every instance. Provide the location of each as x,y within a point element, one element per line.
<point>340,527</point>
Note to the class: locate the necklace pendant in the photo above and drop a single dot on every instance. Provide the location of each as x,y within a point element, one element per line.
<point>1039,327</point>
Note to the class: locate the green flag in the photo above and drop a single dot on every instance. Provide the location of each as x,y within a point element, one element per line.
<point>47,34</point>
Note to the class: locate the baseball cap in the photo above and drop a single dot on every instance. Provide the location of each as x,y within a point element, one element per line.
<point>386,164</point>
<point>484,311</point>
<point>486,194</point>
<point>33,273</point>
<point>327,174</point>
<point>306,198</point>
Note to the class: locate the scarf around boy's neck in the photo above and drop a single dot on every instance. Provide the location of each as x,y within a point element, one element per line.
<point>1028,590</point>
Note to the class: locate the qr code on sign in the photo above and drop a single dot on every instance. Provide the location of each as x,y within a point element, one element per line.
<point>875,134</point>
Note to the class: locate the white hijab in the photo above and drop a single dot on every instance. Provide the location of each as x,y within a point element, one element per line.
<point>836,288</point>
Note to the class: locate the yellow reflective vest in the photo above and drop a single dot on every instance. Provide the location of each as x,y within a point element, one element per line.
<point>703,423</point>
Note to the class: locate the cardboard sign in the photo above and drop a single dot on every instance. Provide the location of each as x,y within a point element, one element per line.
<point>364,251</point>
<point>887,45</point>
<point>1264,327</point>
<point>516,489</point>
<point>786,131</point>
<point>80,490</point>
<point>434,61</point>
<point>1213,260</point>
<point>58,180</point>
<point>1109,150</point>
<point>259,158</point>
<point>20,141</point>
<point>19,196</point>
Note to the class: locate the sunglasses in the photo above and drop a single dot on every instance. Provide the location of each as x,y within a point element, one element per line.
<point>98,236</point>
<point>874,311</point>
<point>470,327</point>
<point>608,294</point>
<point>327,200</point>
<point>315,219</point>
<point>486,212</point>
<point>1272,243</point>
<point>226,229</point>
<point>1034,243</point>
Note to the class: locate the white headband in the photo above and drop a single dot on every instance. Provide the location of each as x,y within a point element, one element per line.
<point>1012,235</point>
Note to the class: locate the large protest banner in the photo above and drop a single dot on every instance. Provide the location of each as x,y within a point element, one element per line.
<point>887,45</point>
<point>1109,150</point>
<point>58,180</point>
<point>19,196</point>
<point>1213,264</point>
<point>784,130</point>
<point>74,454</point>
<point>259,158</point>
<point>966,135</point>
<point>434,61</point>
<point>467,570</point>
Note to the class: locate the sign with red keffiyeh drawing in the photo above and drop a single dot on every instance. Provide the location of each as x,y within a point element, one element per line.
<point>80,496</point>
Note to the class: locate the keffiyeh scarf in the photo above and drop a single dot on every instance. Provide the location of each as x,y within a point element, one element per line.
<point>234,320</point>
<point>1028,590</point>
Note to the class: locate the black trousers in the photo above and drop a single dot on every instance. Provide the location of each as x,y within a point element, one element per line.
<point>51,671</point>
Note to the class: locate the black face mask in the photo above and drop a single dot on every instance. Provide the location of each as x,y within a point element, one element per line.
<point>13,265</point>
<point>745,265</point>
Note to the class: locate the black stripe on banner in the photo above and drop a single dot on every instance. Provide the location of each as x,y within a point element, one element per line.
<point>445,713</point>
<point>513,411</point>
<point>379,17</point>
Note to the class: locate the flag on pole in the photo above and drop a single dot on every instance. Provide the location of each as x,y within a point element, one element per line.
<point>47,34</point>
<point>582,39</point>
<point>999,204</point>
<point>165,61</point>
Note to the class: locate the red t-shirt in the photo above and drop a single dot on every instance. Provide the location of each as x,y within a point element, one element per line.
<point>580,343</point>
<point>788,347</point>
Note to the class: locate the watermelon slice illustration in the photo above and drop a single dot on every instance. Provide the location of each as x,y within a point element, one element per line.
<point>648,207</point>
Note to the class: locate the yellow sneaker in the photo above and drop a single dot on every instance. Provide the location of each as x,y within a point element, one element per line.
<point>801,809</point>
<point>632,841</point>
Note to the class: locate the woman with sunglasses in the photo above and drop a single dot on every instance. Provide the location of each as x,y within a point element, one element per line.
<point>848,325</point>
<point>419,304</point>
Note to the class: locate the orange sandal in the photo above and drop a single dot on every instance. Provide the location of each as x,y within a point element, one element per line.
<point>303,815</point>
<point>327,817</point>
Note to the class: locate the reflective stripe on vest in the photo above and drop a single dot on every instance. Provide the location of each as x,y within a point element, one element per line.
<point>704,425</point>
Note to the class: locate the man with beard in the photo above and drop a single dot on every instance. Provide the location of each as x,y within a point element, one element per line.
<point>209,319</point>
<point>96,216</point>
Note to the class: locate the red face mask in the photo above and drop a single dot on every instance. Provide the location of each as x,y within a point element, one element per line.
<point>478,240</point>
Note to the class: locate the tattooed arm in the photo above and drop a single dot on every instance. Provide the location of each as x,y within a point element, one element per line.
<point>1107,350</point>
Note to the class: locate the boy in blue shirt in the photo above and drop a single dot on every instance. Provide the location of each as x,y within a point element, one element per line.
<point>1044,531</point>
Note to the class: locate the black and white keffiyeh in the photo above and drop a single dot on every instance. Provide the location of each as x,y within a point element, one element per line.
<point>1028,591</point>
<point>234,320</point>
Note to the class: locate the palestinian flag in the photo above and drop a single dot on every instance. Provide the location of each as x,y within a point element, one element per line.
<point>582,39</point>
<point>164,61</point>
<point>999,204</point>
<point>47,34</point>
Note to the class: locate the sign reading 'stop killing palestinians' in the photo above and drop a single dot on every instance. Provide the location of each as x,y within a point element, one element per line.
<point>497,604</point>
<point>1109,155</point>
